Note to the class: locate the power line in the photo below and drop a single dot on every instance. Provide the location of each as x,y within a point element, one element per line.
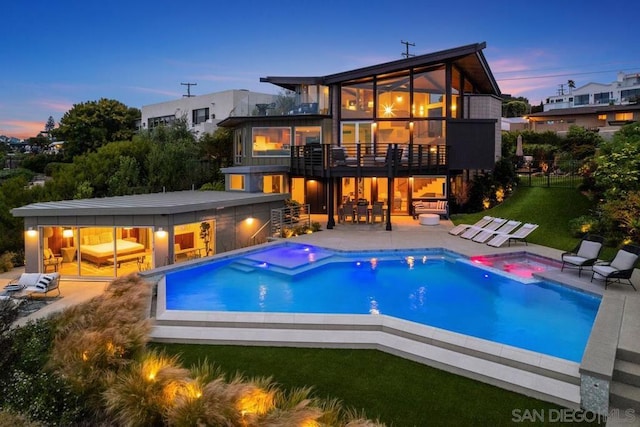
<point>565,74</point>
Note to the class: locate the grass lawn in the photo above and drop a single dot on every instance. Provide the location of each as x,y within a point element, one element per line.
<point>396,391</point>
<point>551,208</point>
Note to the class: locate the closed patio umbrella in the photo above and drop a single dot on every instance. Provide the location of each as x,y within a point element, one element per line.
<point>519,152</point>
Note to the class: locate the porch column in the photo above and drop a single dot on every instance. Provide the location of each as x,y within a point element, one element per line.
<point>331,222</point>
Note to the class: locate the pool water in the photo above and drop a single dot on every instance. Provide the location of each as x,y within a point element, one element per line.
<point>430,287</point>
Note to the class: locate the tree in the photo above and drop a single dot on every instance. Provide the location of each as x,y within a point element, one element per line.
<point>49,126</point>
<point>285,101</point>
<point>90,125</point>
<point>515,107</point>
<point>218,147</point>
<point>580,143</point>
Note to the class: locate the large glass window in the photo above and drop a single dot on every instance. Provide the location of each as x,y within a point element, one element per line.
<point>236,182</point>
<point>428,132</point>
<point>428,187</point>
<point>307,135</point>
<point>354,133</point>
<point>601,98</point>
<point>581,99</point>
<point>193,241</point>
<point>200,116</point>
<point>392,98</point>
<point>357,101</point>
<point>272,184</point>
<point>429,93</point>
<point>624,116</point>
<point>628,95</point>
<point>97,251</point>
<point>271,141</point>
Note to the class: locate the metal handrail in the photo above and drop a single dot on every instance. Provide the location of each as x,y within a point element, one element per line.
<point>251,239</point>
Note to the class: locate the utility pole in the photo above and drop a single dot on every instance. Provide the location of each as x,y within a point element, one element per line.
<point>561,89</point>
<point>188,85</point>
<point>406,54</point>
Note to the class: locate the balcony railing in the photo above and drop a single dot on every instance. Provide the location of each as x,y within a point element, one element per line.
<point>321,160</point>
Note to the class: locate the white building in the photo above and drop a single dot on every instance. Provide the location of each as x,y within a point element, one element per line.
<point>204,112</point>
<point>625,90</point>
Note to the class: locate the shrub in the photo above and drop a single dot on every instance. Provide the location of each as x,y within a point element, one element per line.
<point>6,261</point>
<point>584,224</point>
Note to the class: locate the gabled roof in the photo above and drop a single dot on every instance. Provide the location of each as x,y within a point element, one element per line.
<point>469,58</point>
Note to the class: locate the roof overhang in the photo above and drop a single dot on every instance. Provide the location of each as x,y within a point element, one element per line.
<point>232,122</point>
<point>146,204</point>
<point>469,59</point>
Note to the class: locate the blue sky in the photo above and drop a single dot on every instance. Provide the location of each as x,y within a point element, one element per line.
<point>59,53</point>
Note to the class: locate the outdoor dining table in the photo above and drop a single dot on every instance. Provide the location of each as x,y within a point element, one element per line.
<point>341,212</point>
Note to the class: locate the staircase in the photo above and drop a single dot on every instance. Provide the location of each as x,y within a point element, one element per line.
<point>625,384</point>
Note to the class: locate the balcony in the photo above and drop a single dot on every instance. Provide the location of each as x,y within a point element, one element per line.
<point>324,160</point>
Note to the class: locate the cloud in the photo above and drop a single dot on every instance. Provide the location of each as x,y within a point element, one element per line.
<point>56,106</point>
<point>170,93</point>
<point>224,78</point>
<point>21,128</point>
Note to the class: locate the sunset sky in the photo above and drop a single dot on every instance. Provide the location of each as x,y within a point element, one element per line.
<point>59,53</point>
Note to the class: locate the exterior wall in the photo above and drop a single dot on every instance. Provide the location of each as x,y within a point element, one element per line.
<point>220,104</point>
<point>486,107</point>
<point>236,227</point>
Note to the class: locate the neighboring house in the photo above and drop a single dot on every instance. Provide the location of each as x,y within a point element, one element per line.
<point>204,112</point>
<point>625,90</point>
<point>112,236</point>
<point>604,119</point>
<point>415,128</point>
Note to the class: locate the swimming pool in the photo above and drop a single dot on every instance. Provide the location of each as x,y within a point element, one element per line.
<point>435,287</point>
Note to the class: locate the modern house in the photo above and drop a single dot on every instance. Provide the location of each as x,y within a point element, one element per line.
<point>604,119</point>
<point>112,236</point>
<point>625,90</point>
<point>412,129</point>
<point>204,112</point>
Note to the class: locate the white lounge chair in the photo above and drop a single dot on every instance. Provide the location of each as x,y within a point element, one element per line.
<point>621,268</point>
<point>485,235</point>
<point>35,283</point>
<point>460,228</point>
<point>495,223</point>
<point>520,234</point>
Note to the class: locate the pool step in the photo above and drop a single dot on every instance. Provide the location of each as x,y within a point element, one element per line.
<point>624,396</point>
<point>626,372</point>
<point>242,267</point>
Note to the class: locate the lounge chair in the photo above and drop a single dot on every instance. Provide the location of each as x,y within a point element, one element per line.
<point>35,283</point>
<point>472,231</point>
<point>485,235</point>
<point>520,234</point>
<point>460,228</point>
<point>584,255</point>
<point>621,268</point>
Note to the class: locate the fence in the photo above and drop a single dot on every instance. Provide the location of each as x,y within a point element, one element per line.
<point>566,177</point>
